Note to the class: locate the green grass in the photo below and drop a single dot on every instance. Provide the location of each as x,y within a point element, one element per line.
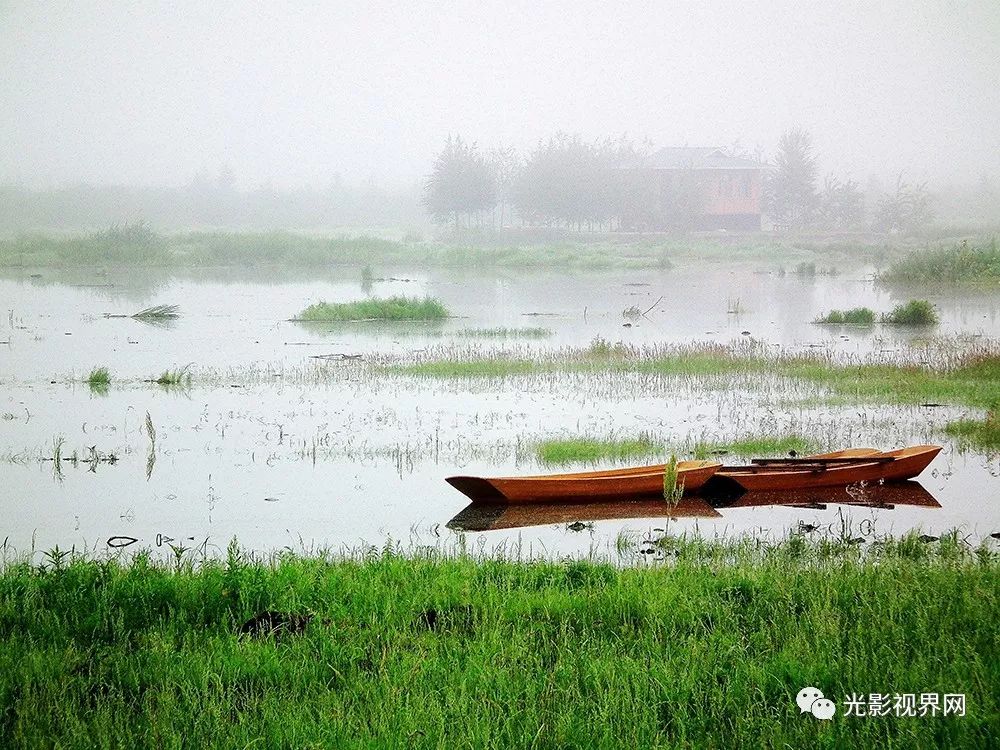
<point>708,651</point>
<point>978,263</point>
<point>99,379</point>
<point>857,316</point>
<point>592,450</point>
<point>916,312</point>
<point>763,446</point>
<point>389,308</point>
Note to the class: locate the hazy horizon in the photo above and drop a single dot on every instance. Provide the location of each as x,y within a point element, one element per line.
<point>299,96</point>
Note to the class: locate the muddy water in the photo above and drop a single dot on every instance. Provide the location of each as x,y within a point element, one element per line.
<point>278,449</point>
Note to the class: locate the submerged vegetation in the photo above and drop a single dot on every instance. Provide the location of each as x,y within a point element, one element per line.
<point>389,308</point>
<point>709,650</point>
<point>977,263</point>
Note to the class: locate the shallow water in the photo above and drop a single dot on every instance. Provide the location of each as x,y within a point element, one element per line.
<point>279,449</point>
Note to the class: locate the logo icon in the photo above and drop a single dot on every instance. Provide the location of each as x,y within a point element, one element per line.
<point>811,700</point>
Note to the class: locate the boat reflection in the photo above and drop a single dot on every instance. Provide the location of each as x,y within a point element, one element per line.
<point>885,496</point>
<point>494,516</point>
<point>497,516</point>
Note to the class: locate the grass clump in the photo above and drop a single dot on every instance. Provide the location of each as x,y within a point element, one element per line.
<point>592,450</point>
<point>550,654</point>
<point>961,263</point>
<point>178,376</point>
<point>99,377</point>
<point>916,312</point>
<point>389,308</point>
<point>856,316</point>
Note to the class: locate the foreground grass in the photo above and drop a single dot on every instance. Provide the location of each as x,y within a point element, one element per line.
<point>389,308</point>
<point>405,652</point>
<point>978,263</point>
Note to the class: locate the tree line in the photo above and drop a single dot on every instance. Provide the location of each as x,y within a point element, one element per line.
<point>568,182</point>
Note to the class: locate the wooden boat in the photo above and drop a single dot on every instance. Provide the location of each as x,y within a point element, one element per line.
<point>825,470</point>
<point>496,516</point>
<point>589,486</point>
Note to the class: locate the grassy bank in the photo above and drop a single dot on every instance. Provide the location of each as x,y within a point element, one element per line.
<point>139,245</point>
<point>709,651</point>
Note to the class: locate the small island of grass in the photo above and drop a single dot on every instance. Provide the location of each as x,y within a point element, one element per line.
<point>856,316</point>
<point>389,308</point>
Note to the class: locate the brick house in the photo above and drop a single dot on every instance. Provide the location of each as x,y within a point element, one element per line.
<point>694,188</point>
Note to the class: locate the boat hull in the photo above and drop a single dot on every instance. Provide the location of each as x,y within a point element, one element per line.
<point>596,486</point>
<point>891,466</point>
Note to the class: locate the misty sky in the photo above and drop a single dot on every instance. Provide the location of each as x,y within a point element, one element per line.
<point>293,93</point>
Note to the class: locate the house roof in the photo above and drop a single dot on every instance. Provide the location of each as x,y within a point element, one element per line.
<point>704,157</point>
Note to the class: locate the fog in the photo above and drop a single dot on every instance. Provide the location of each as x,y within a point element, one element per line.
<point>295,95</point>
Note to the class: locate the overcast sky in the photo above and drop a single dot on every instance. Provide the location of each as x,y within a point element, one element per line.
<point>294,93</point>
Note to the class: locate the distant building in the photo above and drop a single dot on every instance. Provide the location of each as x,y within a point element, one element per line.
<point>694,188</point>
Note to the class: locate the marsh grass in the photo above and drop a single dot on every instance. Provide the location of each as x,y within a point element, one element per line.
<point>857,316</point>
<point>425,651</point>
<point>389,308</point>
<point>593,449</point>
<point>916,312</point>
<point>978,263</point>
